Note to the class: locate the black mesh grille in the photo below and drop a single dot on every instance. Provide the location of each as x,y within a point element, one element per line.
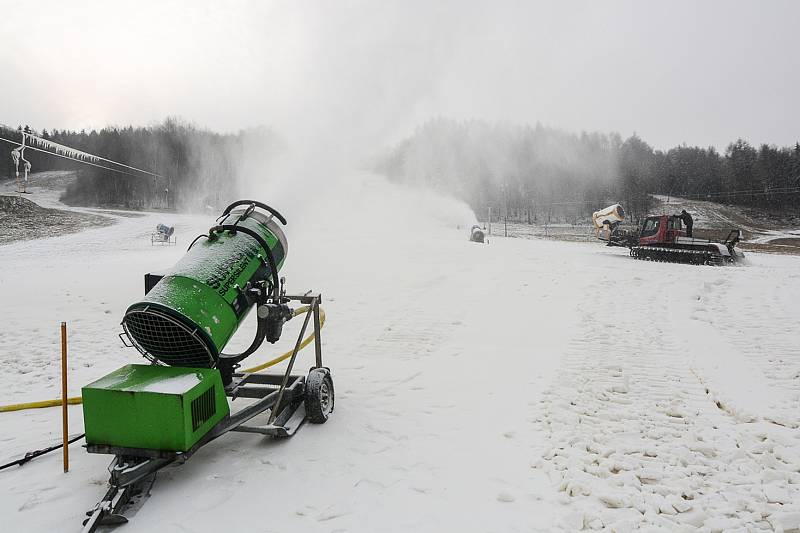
<point>163,338</point>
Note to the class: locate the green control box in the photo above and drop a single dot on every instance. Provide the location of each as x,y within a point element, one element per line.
<point>153,407</point>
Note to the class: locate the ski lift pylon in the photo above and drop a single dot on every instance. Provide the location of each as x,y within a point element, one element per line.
<point>17,155</point>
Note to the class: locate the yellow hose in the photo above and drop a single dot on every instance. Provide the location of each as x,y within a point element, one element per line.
<point>272,362</point>
<point>288,354</point>
<point>38,405</point>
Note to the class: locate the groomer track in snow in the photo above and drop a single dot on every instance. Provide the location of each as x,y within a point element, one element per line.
<point>646,429</point>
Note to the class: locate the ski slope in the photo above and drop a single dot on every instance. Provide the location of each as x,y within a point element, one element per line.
<point>523,385</point>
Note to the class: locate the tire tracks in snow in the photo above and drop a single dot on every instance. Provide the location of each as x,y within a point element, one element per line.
<point>758,337</point>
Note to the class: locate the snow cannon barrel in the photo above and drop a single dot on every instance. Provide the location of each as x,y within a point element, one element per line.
<point>189,316</point>
<point>611,215</point>
<point>165,230</point>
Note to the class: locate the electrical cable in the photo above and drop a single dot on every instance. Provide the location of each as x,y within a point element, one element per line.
<point>38,453</point>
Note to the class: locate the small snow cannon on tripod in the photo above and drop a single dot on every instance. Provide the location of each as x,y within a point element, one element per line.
<point>151,416</point>
<point>163,235</point>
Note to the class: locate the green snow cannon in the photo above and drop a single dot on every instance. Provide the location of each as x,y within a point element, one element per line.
<point>189,314</point>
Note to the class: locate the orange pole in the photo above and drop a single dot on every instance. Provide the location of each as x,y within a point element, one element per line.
<point>64,417</point>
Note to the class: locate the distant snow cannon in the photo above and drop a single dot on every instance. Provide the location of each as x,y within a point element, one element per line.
<point>476,234</point>
<point>606,220</point>
<point>150,416</point>
<point>165,230</point>
<point>163,235</point>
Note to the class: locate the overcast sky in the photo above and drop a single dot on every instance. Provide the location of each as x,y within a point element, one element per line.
<point>672,71</point>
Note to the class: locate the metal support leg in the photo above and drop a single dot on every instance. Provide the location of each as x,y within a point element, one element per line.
<point>277,407</point>
<point>317,332</point>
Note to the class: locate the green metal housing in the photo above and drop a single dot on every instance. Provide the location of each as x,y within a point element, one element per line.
<point>191,314</point>
<point>153,407</point>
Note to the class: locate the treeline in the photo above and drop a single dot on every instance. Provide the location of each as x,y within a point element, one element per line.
<point>529,173</point>
<point>766,177</point>
<point>541,174</point>
<point>195,167</point>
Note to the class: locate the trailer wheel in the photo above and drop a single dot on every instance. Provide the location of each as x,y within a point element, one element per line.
<point>319,395</point>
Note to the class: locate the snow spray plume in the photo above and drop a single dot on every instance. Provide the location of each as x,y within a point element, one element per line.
<point>528,172</point>
<point>360,81</point>
<point>214,162</point>
<point>356,84</point>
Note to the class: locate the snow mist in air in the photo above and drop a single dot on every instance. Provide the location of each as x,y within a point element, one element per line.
<point>356,87</point>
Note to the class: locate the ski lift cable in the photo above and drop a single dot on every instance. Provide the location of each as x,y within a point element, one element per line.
<point>80,160</point>
<point>77,155</point>
<point>56,146</point>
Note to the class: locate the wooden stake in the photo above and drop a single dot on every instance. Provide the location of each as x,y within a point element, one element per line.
<point>64,417</point>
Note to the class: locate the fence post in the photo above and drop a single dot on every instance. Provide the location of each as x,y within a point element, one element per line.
<point>64,413</point>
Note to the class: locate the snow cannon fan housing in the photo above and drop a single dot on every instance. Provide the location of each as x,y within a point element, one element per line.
<point>191,313</point>
<point>476,234</point>
<point>613,214</point>
<point>165,230</point>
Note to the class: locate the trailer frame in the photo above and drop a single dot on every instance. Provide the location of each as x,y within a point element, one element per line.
<point>133,470</point>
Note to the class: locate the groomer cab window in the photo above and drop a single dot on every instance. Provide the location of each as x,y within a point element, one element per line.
<point>650,226</point>
<point>674,223</point>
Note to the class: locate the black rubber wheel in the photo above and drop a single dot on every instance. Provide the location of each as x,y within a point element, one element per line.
<point>319,395</point>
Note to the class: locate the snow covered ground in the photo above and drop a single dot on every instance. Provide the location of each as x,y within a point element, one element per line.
<point>524,385</point>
